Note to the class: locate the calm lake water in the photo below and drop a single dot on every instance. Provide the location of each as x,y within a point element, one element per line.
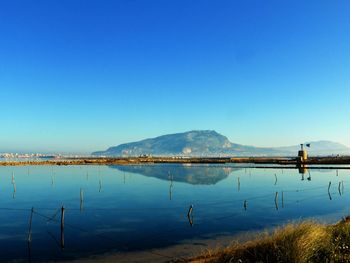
<point>138,208</point>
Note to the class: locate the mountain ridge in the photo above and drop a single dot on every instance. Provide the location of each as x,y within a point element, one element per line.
<point>211,143</point>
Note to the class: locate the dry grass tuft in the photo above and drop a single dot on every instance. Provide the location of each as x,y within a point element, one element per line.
<point>304,242</point>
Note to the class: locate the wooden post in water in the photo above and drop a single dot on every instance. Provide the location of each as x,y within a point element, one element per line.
<point>171,178</point>
<point>14,190</point>
<point>14,185</point>
<point>245,204</point>
<point>171,191</point>
<point>62,227</point>
<point>275,179</point>
<point>276,200</point>
<point>100,189</point>
<point>189,215</point>
<point>339,188</point>
<point>81,199</point>
<point>238,184</point>
<point>329,194</point>
<point>29,239</point>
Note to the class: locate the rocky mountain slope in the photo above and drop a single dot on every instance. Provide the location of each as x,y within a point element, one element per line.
<point>211,143</point>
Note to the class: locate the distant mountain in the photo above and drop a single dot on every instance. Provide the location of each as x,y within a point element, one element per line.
<point>319,148</point>
<point>211,143</point>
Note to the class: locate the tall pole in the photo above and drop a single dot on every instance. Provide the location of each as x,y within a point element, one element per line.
<point>62,227</point>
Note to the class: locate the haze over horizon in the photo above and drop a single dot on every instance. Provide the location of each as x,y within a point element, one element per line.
<point>80,76</point>
<point>323,143</point>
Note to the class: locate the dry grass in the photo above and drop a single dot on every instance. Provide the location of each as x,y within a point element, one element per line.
<point>304,242</point>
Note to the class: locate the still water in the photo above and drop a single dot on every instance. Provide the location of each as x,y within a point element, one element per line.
<point>139,208</point>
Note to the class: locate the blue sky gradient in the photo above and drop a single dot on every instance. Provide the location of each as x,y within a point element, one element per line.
<point>79,76</point>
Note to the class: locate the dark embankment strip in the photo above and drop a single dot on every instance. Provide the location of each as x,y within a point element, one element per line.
<point>194,160</point>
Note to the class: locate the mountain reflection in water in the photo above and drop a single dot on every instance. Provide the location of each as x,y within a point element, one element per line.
<point>186,173</point>
<point>156,206</point>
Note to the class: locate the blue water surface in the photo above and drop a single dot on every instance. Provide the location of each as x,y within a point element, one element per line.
<point>142,207</point>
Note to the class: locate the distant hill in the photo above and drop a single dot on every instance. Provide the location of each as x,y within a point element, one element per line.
<point>211,143</point>
<point>319,148</point>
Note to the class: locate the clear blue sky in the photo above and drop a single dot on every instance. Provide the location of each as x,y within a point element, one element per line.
<point>79,76</point>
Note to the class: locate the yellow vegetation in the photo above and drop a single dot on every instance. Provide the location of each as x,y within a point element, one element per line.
<point>304,242</point>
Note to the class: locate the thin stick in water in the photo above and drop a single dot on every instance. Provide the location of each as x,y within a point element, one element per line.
<point>276,200</point>
<point>29,239</point>
<point>62,227</point>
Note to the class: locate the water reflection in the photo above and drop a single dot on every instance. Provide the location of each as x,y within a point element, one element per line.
<point>187,173</point>
<point>83,210</point>
<point>81,199</point>
<point>171,180</point>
